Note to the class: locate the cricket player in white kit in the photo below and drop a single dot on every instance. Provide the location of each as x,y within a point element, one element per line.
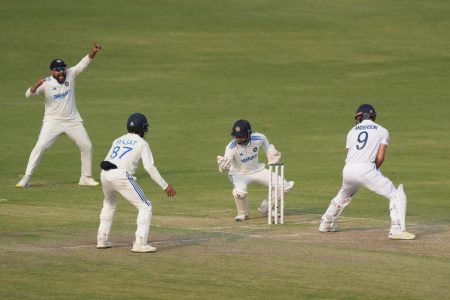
<point>242,163</point>
<point>366,146</point>
<point>61,116</point>
<point>117,177</point>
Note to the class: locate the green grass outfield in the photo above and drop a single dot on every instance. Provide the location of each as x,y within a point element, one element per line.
<point>297,70</point>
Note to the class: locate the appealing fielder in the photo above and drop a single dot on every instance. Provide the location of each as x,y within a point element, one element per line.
<point>366,146</point>
<point>61,116</point>
<point>241,160</point>
<point>117,177</point>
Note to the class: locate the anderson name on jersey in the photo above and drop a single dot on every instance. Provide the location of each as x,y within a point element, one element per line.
<point>245,158</point>
<point>60,102</point>
<point>363,142</point>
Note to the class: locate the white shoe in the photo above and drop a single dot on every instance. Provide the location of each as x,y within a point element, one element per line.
<point>103,244</point>
<point>241,218</point>
<point>326,226</point>
<point>24,182</point>
<point>142,248</point>
<point>88,181</point>
<point>401,235</point>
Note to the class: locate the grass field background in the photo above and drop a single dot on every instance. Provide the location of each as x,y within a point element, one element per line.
<point>297,70</point>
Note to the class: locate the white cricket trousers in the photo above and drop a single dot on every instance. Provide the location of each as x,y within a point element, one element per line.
<point>367,175</point>
<point>241,181</point>
<point>50,131</point>
<point>356,175</point>
<point>119,181</point>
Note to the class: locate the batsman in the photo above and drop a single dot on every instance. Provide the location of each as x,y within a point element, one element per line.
<point>241,161</point>
<point>366,147</point>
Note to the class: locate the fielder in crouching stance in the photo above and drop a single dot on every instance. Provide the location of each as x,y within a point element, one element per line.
<point>61,116</point>
<point>366,146</point>
<point>241,162</point>
<point>117,177</point>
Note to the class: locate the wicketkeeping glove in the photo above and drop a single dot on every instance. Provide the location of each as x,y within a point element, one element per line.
<point>224,164</point>
<point>273,155</point>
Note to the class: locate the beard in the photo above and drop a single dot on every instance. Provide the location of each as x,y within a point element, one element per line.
<point>61,78</point>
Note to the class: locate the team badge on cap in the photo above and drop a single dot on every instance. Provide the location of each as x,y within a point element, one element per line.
<point>237,129</point>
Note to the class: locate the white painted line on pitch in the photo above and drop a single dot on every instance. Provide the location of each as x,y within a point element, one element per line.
<point>174,241</point>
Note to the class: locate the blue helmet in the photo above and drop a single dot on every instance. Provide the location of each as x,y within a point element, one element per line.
<point>242,129</point>
<point>365,112</point>
<point>137,123</point>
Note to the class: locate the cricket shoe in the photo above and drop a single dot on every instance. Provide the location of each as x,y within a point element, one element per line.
<point>88,181</point>
<point>401,235</point>
<point>239,218</point>
<point>142,248</point>
<point>24,182</point>
<point>103,244</point>
<point>327,226</point>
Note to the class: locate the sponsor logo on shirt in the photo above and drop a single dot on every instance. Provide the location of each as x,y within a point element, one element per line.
<point>247,159</point>
<point>60,97</point>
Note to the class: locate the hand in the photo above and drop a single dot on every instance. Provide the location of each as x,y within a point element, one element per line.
<point>95,48</point>
<point>170,191</point>
<point>224,164</point>
<point>38,83</point>
<point>274,159</point>
<point>273,155</point>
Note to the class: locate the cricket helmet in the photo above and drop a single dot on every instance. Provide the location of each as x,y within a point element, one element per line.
<point>58,62</point>
<point>242,130</point>
<point>365,112</point>
<point>137,123</point>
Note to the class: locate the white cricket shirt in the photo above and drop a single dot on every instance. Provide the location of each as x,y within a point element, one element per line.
<point>363,142</point>
<point>128,150</point>
<point>245,158</point>
<point>60,102</point>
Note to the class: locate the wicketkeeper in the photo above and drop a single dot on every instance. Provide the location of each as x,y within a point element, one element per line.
<point>241,161</point>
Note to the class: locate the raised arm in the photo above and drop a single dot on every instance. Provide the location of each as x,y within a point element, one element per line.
<point>84,62</point>
<point>32,90</point>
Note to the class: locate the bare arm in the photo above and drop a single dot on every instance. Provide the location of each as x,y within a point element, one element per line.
<point>380,155</point>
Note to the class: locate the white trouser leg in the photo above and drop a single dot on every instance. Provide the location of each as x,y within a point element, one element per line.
<point>108,210</point>
<point>50,131</point>
<point>143,224</point>
<point>79,135</point>
<point>131,191</point>
<point>380,184</point>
